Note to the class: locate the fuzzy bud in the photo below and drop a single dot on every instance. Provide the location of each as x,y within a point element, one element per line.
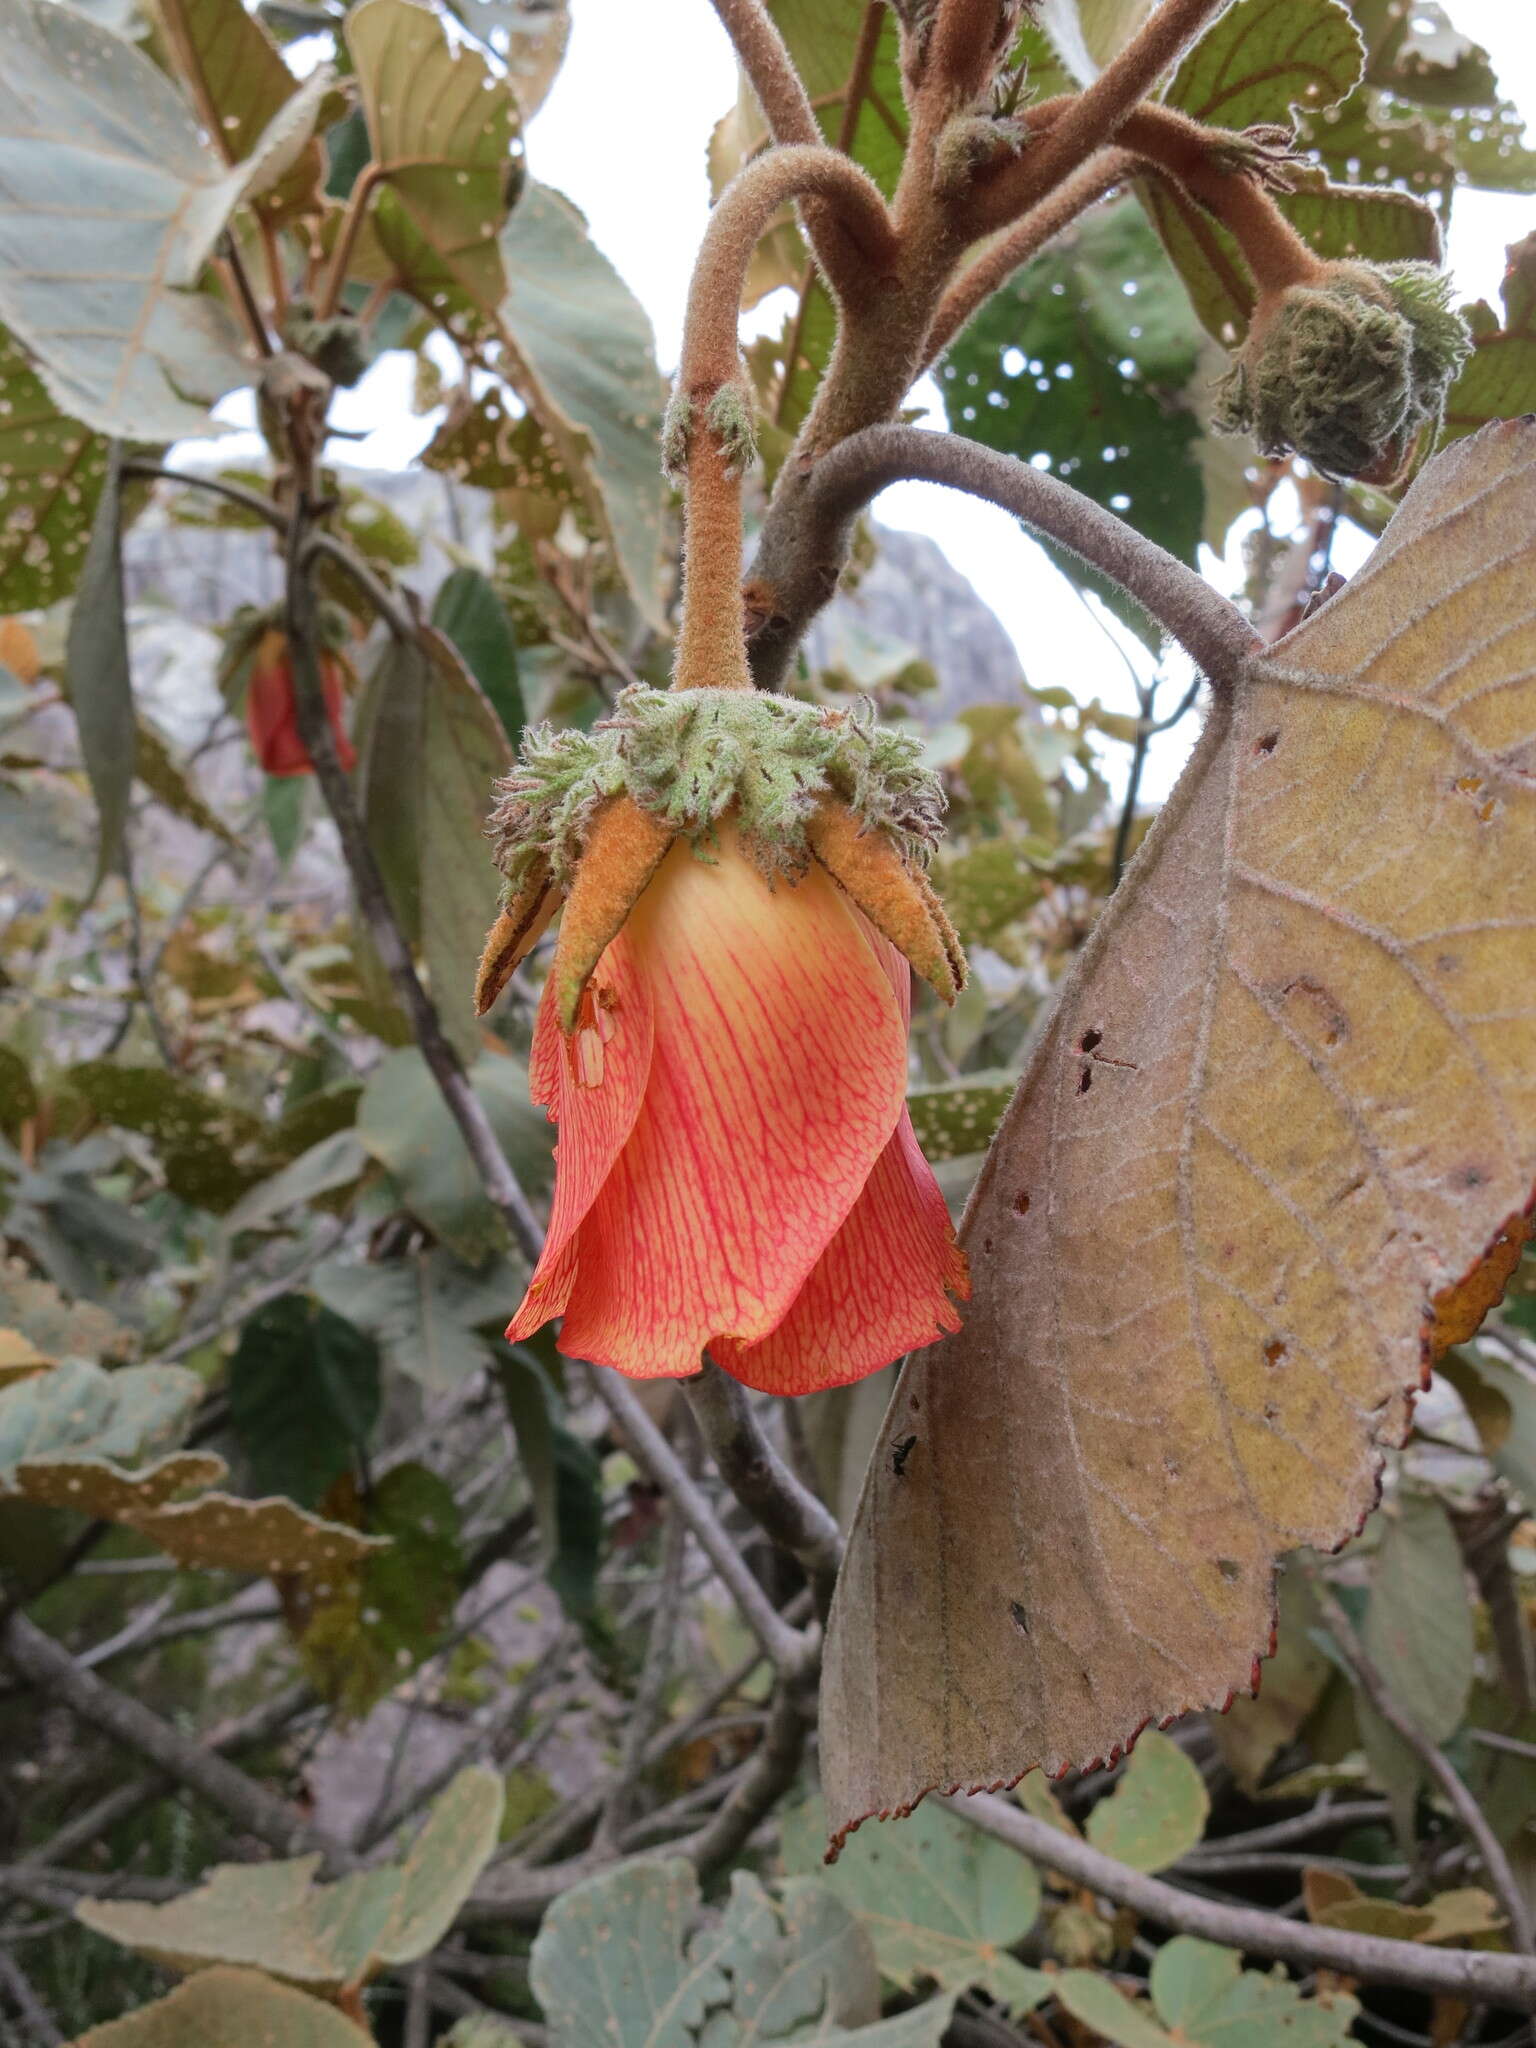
<point>1347,370</point>
<point>970,146</point>
<point>338,345</point>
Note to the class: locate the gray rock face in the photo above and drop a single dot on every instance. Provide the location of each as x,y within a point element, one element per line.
<point>911,599</point>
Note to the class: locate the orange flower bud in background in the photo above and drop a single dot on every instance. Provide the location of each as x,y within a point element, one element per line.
<point>18,650</point>
<point>722,1040</point>
<point>271,711</point>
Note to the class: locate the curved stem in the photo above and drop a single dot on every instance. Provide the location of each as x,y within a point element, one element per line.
<point>1215,633</point>
<point>711,648</point>
<point>991,270</point>
<point>764,57</point>
<point>742,212</point>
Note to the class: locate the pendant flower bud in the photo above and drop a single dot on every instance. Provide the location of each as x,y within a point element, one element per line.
<point>722,1036</point>
<point>271,712</point>
<point>1347,369</point>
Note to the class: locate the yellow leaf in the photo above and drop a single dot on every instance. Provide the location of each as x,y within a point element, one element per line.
<point>1277,1141</point>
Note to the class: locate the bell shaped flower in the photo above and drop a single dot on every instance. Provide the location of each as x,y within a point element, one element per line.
<point>722,1037</point>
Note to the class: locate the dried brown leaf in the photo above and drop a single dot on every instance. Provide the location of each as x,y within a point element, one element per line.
<point>1282,1123</point>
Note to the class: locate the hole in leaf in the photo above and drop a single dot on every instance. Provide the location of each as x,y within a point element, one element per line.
<point>1229,1569</point>
<point>1275,1351</point>
<point>1267,744</point>
<point>1021,1202</point>
<point>1089,1040</point>
<point>1085,1081</point>
<point>1020,1618</point>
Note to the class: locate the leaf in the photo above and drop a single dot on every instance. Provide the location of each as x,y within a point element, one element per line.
<point>78,1407</point>
<point>529,35</point>
<point>122,345</point>
<point>427,1311</point>
<point>53,469</point>
<point>20,1358</point>
<point>629,1958</point>
<point>468,612</point>
<point>48,832</point>
<point>1418,1627</point>
<point>303,1388</point>
<point>433,747</point>
<point>1498,380</point>
<point>1283,1109</point>
<point>229,2008</point>
<point>276,1917</point>
<point>63,1329</point>
<point>583,360</point>
<point>239,85</point>
<point>937,1898</point>
<point>98,678</point>
<point>1262,58</point>
<point>442,126</point>
<point>211,1150</point>
<point>1205,1995</point>
<point>1082,365</point>
<point>953,1118</point>
<point>1158,1810</point>
<point>1252,1733</point>
<point>335,1162</point>
<point>408,1128</point>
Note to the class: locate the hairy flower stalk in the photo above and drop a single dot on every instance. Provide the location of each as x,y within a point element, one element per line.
<point>722,1036</point>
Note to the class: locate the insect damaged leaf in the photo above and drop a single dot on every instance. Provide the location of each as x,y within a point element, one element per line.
<point>1284,1112</point>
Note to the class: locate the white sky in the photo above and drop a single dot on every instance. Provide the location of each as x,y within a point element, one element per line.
<point>623,134</point>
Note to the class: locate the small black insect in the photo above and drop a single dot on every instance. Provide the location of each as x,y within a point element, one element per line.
<point>900,1454</point>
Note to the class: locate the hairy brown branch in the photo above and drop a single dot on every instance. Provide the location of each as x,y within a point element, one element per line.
<point>1215,633</point>
<point>1094,116</point>
<point>1469,1815</point>
<point>1469,1974</point>
<point>761,52</point>
<point>998,261</point>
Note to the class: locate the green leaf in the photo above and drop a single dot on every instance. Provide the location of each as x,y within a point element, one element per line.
<point>122,339</point>
<point>1206,1996</point>
<point>630,1959</point>
<point>953,1118</point>
<point>1498,380</point>
<point>1158,1810</point>
<point>303,1388</point>
<point>432,747</point>
<point>1261,58</point>
<point>572,1571</point>
<point>78,1408</point>
<point>48,832</point>
<point>63,1329</point>
<point>1418,1627</point>
<point>529,36</point>
<point>98,678</point>
<point>1101,2005</point>
<point>229,2008</point>
<point>938,1899</point>
<point>582,358</point>
<point>428,1312</point>
<point>54,469</point>
<point>468,612</point>
<point>276,1917</point>
<point>335,1162</point>
<point>240,84</point>
<point>442,126</point>
<point>405,1124</point>
<point>211,1150</point>
<point>1083,364</point>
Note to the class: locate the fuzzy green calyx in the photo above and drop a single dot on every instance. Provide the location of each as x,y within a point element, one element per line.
<point>1347,371</point>
<point>690,756</point>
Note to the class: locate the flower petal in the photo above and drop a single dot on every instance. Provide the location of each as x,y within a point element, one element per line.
<point>593,1083</point>
<point>778,1074</point>
<point>879,1290</point>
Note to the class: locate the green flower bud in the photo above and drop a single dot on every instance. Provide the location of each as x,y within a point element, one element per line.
<point>338,346</point>
<point>1347,370</point>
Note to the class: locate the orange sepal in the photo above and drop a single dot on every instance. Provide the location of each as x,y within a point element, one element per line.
<point>625,846</point>
<point>895,898</point>
<point>514,935</point>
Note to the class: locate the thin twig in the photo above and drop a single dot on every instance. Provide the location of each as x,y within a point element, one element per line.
<point>789,1514</point>
<point>49,1667</point>
<point>640,1718</point>
<point>1469,1814</point>
<point>35,2016</point>
<point>1460,1973</point>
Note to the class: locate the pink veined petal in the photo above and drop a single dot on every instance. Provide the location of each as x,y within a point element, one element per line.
<point>594,1086</point>
<point>879,1290</point>
<point>777,1076</point>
